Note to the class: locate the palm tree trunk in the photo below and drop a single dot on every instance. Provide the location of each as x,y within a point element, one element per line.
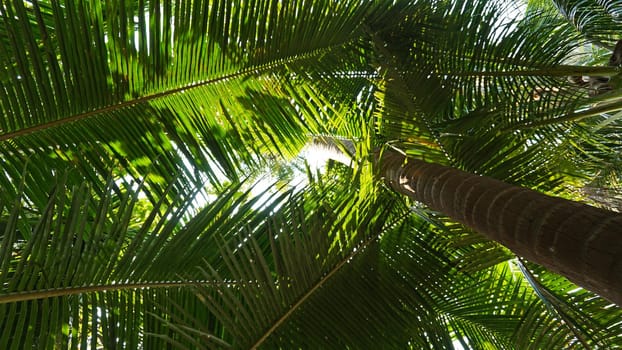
<point>578,241</point>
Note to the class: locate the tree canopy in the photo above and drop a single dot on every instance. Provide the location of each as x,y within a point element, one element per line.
<point>133,132</point>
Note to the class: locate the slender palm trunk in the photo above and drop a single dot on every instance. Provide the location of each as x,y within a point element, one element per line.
<point>578,241</point>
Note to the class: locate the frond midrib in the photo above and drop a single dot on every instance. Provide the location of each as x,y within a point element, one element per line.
<point>256,69</point>
<point>66,291</point>
<point>314,288</point>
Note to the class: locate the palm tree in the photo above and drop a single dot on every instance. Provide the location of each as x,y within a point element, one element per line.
<point>132,132</point>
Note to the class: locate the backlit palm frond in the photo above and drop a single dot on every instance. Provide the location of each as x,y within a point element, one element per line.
<point>481,54</point>
<point>171,81</point>
<point>462,92</point>
<point>599,21</point>
<point>526,308</point>
<point>302,290</point>
<point>289,286</point>
<point>525,105</point>
<point>270,266</point>
<point>574,308</point>
<point>54,255</point>
<point>91,269</point>
<point>548,309</point>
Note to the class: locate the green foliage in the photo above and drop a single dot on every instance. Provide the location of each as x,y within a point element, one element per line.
<point>131,132</point>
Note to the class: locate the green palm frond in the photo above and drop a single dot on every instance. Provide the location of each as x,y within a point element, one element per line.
<point>112,91</point>
<point>130,130</point>
<point>308,236</point>
<point>88,258</point>
<point>489,95</point>
<point>289,287</point>
<point>572,306</point>
<point>599,21</point>
<point>297,274</point>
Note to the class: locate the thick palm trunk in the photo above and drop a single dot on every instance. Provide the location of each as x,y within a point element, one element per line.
<point>581,242</point>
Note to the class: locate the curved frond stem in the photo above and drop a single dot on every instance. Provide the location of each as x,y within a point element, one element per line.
<point>60,292</point>
<point>557,71</point>
<point>392,74</point>
<point>550,301</point>
<point>313,290</point>
<point>607,107</point>
<point>269,67</point>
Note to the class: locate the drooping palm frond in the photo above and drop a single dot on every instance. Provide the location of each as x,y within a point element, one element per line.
<point>399,285</point>
<point>550,314</point>
<point>482,89</point>
<point>153,105</point>
<point>164,80</point>
<point>115,91</point>
<point>599,21</point>
<point>93,269</point>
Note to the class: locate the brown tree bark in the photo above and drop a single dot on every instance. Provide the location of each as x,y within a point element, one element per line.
<point>578,241</point>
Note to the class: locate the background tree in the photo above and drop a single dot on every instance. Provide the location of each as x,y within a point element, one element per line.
<point>129,129</point>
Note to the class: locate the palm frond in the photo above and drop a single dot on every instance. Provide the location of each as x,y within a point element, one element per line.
<point>87,258</point>
<point>298,291</point>
<point>170,81</point>
<point>599,21</point>
<point>573,307</point>
<point>129,129</point>
<point>459,89</point>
